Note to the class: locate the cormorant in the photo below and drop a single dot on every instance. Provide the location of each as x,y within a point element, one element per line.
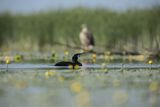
<point>86,38</point>
<point>73,63</point>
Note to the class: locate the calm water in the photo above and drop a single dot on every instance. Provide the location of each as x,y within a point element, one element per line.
<point>93,85</point>
<point>87,66</point>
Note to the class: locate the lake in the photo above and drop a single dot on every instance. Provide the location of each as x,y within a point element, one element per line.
<point>101,84</point>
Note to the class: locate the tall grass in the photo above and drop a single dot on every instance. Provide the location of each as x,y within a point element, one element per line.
<point>131,30</point>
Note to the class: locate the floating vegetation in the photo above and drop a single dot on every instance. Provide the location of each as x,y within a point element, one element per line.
<point>150,61</point>
<point>76,87</point>
<point>86,87</point>
<point>120,97</point>
<point>121,72</point>
<point>18,58</point>
<point>154,86</point>
<point>50,73</point>
<point>7,59</point>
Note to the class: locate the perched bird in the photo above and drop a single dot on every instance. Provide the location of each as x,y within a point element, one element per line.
<point>86,38</point>
<point>73,63</point>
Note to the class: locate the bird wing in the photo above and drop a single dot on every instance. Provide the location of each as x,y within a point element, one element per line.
<point>90,37</point>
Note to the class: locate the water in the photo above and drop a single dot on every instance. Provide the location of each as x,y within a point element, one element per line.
<point>92,85</point>
<point>94,66</point>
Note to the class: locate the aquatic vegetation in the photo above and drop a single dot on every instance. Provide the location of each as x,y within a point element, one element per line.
<point>93,87</point>
<point>70,66</point>
<point>150,61</point>
<point>83,99</point>
<point>94,60</point>
<point>154,86</point>
<point>116,83</point>
<point>21,84</point>
<point>18,58</point>
<point>7,59</point>
<point>94,56</point>
<point>61,78</point>
<point>103,83</point>
<point>76,67</point>
<point>120,97</point>
<point>53,57</point>
<point>76,87</point>
<point>103,65</point>
<point>50,73</point>
<point>66,52</point>
<point>130,30</point>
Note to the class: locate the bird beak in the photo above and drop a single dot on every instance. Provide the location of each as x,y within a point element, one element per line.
<point>81,54</point>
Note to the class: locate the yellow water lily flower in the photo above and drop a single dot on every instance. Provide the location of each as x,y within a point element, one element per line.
<point>70,66</point>
<point>150,61</point>
<point>154,86</point>
<point>7,59</point>
<point>66,52</point>
<point>18,58</point>
<point>94,56</point>
<point>61,78</point>
<point>50,73</point>
<point>120,97</point>
<point>76,67</point>
<point>76,87</point>
<point>93,60</point>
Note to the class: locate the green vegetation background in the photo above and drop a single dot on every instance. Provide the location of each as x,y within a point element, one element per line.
<point>131,30</point>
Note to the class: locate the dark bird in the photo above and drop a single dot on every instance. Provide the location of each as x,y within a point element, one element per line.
<point>73,63</point>
<point>86,38</point>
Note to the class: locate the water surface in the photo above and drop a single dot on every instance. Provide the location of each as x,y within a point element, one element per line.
<point>93,85</point>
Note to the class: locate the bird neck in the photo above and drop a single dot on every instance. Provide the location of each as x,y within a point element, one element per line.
<point>85,29</point>
<point>75,60</point>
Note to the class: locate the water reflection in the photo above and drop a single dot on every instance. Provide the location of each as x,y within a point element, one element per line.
<point>39,85</point>
<point>87,66</point>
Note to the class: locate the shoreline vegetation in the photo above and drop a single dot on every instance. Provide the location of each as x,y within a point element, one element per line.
<point>130,31</point>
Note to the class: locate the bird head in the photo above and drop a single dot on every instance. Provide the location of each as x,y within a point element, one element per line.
<point>84,27</point>
<point>76,56</point>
